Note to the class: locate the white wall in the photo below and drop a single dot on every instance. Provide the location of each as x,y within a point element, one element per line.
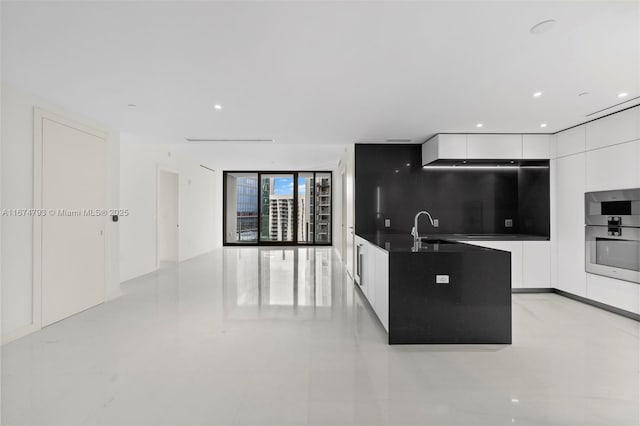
<point>17,192</point>
<point>139,163</point>
<point>601,155</point>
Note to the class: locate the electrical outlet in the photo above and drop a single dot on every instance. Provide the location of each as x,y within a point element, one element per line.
<point>508,223</point>
<point>442,279</point>
<point>387,223</point>
<point>436,223</point>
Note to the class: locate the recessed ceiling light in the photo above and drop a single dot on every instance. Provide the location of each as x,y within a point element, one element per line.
<point>397,171</point>
<point>408,164</point>
<point>537,94</point>
<point>216,106</point>
<point>543,27</point>
<point>479,125</point>
<point>543,125</point>
<point>623,95</point>
<point>132,105</point>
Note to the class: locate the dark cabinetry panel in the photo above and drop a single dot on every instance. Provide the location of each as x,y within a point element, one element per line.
<point>390,183</point>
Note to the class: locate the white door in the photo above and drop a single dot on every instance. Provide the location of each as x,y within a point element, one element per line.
<point>168,216</point>
<point>74,184</point>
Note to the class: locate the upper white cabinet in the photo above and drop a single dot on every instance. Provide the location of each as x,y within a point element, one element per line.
<point>536,147</point>
<point>617,128</point>
<point>571,141</point>
<point>486,147</point>
<point>613,167</point>
<point>450,147</point>
<point>494,146</point>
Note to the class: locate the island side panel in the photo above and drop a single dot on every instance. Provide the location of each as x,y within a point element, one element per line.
<point>474,307</point>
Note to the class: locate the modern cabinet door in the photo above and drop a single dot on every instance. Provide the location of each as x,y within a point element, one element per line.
<point>613,167</point>
<point>369,268</point>
<point>570,141</point>
<point>570,188</point>
<point>381,305</point>
<point>536,264</point>
<point>617,128</point>
<point>536,146</point>
<point>444,147</point>
<point>494,146</point>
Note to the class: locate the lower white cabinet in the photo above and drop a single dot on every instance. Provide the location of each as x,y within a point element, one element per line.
<point>373,269</point>
<point>381,280</point>
<point>536,264</point>
<point>621,294</point>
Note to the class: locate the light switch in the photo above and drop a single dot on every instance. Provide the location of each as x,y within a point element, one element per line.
<point>442,279</point>
<point>387,223</point>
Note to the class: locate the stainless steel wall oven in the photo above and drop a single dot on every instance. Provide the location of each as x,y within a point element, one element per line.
<point>612,234</point>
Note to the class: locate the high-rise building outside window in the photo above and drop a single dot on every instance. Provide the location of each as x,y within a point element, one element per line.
<point>277,208</point>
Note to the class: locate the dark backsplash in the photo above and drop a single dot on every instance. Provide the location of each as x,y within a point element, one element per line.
<point>390,183</point>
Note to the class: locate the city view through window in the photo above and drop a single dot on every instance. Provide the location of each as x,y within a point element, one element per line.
<point>270,208</point>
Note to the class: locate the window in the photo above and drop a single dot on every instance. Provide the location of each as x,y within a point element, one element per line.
<point>277,208</point>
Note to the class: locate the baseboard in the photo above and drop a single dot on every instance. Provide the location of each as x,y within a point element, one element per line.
<point>17,334</point>
<point>532,290</point>
<point>604,306</point>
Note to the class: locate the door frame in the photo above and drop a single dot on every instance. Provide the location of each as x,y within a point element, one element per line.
<point>39,115</point>
<point>159,169</point>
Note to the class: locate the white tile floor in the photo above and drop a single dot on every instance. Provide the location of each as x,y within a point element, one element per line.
<point>203,343</point>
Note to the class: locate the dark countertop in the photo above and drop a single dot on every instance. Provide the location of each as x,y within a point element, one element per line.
<point>396,243</point>
<point>488,237</point>
<point>447,243</point>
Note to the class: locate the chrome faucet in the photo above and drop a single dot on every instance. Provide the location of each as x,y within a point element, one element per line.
<point>414,231</point>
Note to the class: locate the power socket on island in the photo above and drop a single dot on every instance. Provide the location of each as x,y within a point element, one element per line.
<point>508,223</point>
<point>436,223</point>
<point>387,223</point>
<point>442,279</point>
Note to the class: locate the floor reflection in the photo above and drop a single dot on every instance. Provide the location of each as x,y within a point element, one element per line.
<point>280,282</point>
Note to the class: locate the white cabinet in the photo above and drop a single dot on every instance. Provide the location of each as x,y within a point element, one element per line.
<point>618,293</point>
<point>617,128</point>
<point>381,303</point>
<point>536,147</point>
<point>444,146</point>
<point>515,248</point>
<point>486,147</point>
<point>494,146</point>
<point>373,267</point>
<point>571,141</point>
<point>536,264</point>
<point>570,188</point>
<point>613,167</point>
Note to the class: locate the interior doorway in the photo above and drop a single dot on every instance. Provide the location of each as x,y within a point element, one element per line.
<point>168,228</point>
<point>69,258</point>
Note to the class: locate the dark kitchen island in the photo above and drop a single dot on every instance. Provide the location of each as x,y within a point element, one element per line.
<point>441,291</point>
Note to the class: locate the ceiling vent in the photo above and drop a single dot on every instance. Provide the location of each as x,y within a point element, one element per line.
<point>399,140</point>
<point>205,140</point>
<point>612,106</point>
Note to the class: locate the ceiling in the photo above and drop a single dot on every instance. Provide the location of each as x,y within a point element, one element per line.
<point>324,72</point>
